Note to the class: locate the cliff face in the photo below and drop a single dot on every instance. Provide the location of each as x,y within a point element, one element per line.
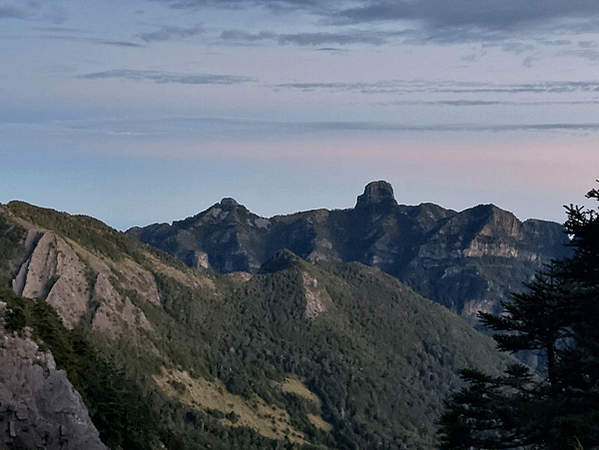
<point>474,259</point>
<point>467,261</point>
<point>80,285</point>
<point>39,408</point>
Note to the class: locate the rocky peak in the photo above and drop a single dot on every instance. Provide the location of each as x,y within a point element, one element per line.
<point>228,204</point>
<point>377,193</point>
<point>501,223</point>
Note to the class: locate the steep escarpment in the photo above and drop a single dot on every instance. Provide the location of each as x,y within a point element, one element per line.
<point>476,258</point>
<point>83,285</point>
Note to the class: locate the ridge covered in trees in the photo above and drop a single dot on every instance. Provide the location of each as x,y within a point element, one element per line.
<point>557,318</point>
<point>302,355</point>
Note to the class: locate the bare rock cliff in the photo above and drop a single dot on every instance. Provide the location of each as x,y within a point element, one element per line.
<point>39,408</point>
<point>54,271</point>
<point>78,284</point>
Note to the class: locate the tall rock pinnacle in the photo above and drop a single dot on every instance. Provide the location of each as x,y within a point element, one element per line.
<point>377,193</point>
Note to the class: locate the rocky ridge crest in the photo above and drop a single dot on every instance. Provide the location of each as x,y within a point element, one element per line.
<point>468,261</point>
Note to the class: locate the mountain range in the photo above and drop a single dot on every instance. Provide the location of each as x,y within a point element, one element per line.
<point>230,330</point>
<point>468,261</point>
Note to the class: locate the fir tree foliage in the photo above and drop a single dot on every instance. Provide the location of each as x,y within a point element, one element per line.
<point>556,317</point>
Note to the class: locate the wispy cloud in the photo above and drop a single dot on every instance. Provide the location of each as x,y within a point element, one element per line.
<point>529,61</point>
<point>240,35</point>
<point>484,14</point>
<point>408,87</point>
<point>116,43</point>
<point>166,77</point>
<point>94,41</point>
<point>555,42</point>
<point>395,127</point>
<point>33,10</point>
<point>12,12</point>
<point>166,33</point>
<point>421,21</point>
<point>587,53</point>
<point>312,38</point>
<point>277,6</point>
<point>197,127</point>
<point>450,103</point>
<point>488,14</point>
<point>468,103</point>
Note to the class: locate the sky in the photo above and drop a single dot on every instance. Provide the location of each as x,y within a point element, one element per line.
<point>150,111</point>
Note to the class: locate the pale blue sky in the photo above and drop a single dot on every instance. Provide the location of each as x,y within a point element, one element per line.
<point>152,110</point>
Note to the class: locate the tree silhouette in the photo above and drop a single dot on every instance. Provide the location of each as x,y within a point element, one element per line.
<point>556,317</point>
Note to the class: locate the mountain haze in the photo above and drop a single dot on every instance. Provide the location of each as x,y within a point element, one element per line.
<point>301,350</point>
<point>468,261</point>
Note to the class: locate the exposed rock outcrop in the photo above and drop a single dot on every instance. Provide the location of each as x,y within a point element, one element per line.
<point>343,325</point>
<point>39,408</point>
<point>377,193</point>
<point>54,271</point>
<point>81,285</point>
<point>314,302</point>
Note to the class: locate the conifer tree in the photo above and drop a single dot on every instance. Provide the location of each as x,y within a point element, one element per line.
<point>558,318</point>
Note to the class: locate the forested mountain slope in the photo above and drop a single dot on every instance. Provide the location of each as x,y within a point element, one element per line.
<point>299,354</point>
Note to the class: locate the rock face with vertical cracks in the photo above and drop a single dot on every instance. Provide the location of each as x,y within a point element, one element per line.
<point>54,271</point>
<point>82,286</point>
<point>39,408</point>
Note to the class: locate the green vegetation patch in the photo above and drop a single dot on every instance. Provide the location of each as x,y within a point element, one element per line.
<point>87,231</point>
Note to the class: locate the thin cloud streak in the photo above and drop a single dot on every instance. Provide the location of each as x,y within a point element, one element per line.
<point>467,103</point>
<point>482,13</point>
<point>591,55</point>
<point>93,41</point>
<point>404,87</point>
<point>391,127</point>
<point>376,38</point>
<point>276,6</point>
<point>166,33</point>
<point>166,77</point>
<point>219,128</point>
<point>487,14</point>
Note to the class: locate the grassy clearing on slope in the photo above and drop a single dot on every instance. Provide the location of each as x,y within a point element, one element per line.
<point>268,420</point>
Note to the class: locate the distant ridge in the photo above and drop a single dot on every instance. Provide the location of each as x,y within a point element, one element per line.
<point>468,261</point>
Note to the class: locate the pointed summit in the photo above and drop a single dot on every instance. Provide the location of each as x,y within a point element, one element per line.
<point>377,193</point>
<point>228,203</point>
